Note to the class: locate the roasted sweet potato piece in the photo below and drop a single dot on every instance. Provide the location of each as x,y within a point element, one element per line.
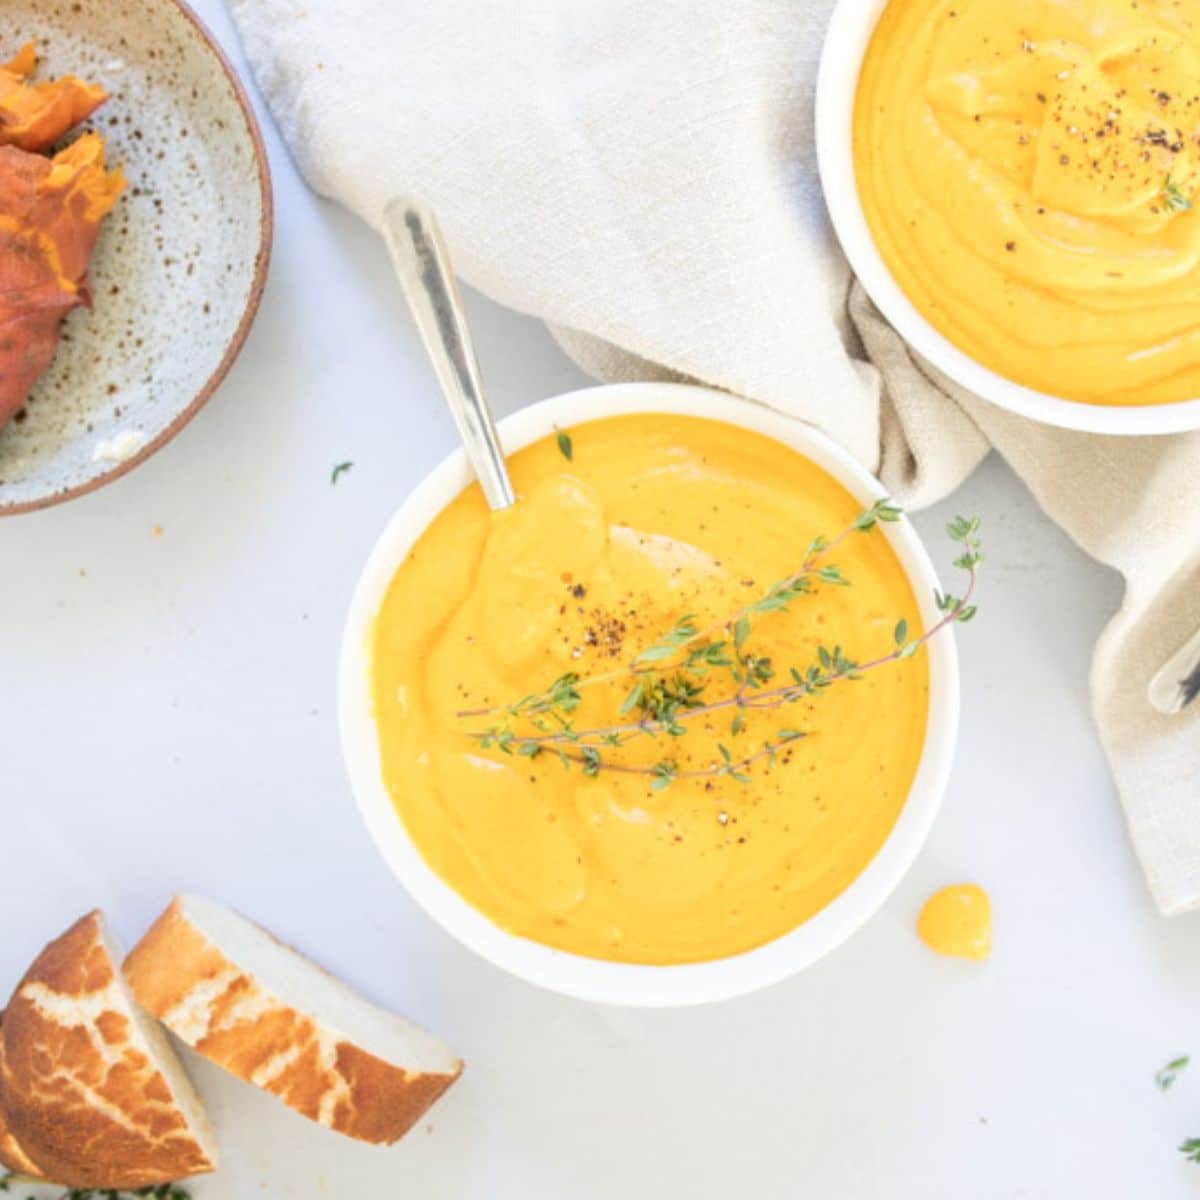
<point>50,214</point>
<point>33,116</point>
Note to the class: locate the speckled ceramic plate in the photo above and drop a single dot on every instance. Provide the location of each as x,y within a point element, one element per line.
<point>181,262</point>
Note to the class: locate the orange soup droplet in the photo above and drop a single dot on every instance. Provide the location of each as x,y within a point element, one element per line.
<point>957,921</point>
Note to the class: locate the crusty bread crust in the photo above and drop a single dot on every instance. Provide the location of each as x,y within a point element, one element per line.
<point>86,1103</point>
<point>12,1156</point>
<point>217,1007</point>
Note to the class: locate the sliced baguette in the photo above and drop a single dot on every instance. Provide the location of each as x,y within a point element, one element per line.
<point>92,1091</point>
<point>268,1015</point>
<point>12,1156</point>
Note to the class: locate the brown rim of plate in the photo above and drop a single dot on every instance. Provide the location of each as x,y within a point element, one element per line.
<point>262,261</point>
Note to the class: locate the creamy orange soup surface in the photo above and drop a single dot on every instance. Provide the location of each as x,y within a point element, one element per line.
<point>652,519</point>
<point>1030,171</point>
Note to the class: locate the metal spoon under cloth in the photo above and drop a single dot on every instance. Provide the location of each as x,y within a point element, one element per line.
<point>1177,685</point>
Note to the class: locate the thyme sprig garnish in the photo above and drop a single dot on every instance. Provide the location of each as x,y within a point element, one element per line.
<point>563,693</point>
<point>162,1191</point>
<point>672,678</point>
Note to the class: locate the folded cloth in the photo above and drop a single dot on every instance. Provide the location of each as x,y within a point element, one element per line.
<point>643,177</point>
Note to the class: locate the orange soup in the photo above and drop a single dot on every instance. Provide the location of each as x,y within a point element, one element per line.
<point>1030,171</point>
<point>652,525</point>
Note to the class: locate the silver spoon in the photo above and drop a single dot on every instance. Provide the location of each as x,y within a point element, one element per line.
<point>1178,684</point>
<point>423,268</point>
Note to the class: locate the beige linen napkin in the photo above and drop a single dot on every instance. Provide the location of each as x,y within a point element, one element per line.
<point>642,176</point>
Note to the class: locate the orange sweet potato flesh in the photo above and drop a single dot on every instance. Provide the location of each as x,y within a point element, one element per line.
<point>33,116</point>
<point>50,214</point>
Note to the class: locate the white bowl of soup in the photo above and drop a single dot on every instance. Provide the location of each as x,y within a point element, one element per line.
<point>643,508</point>
<point>1017,186</point>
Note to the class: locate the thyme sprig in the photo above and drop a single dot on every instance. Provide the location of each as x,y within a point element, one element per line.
<point>162,1191</point>
<point>563,693</point>
<point>671,678</point>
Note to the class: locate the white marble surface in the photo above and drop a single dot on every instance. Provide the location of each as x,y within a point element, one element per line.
<point>168,715</point>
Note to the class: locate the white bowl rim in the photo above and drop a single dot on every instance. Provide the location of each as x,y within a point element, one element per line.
<point>595,979</point>
<point>850,29</point>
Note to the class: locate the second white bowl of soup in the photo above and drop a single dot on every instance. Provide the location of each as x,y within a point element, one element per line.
<point>1017,186</point>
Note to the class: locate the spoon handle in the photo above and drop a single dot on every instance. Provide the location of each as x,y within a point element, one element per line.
<point>423,268</point>
<point>1177,685</point>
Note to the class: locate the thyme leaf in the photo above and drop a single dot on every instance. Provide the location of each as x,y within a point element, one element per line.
<point>1165,1078</point>
<point>1176,200</point>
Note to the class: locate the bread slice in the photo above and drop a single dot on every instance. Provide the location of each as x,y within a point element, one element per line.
<point>12,1156</point>
<point>92,1091</point>
<point>273,1018</point>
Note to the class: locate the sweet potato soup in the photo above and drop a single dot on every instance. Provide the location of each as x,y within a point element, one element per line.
<point>1030,171</point>
<point>634,545</point>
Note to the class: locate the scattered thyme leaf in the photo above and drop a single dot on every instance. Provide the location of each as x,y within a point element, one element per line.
<point>565,446</point>
<point>1165,1078</point>
<point>338,471</point>
<point>1176,200</point>
<point>1190,1149</point>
